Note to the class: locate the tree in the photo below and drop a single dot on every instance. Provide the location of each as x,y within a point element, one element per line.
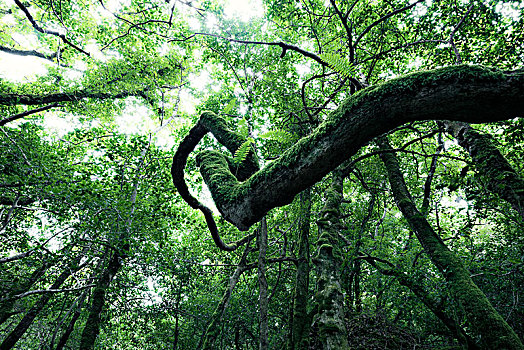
<point>370,150</point>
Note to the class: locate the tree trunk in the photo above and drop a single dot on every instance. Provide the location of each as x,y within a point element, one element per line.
<point>65,336</point>
<point>262,285</point>
<point>213,329</point>
<point>467,93</point>
<point>30,316</point>
<point>329,320</point>
<point>484,320</point>
<point>300,320</point>
<point>92,326</point>
<point>501,178</point>
<point>427,299</point>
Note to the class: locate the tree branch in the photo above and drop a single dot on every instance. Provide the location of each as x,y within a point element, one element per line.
<point>28,53</point>
<point>48,31</point>
<point>467,93</point>
<point>26,113</point>
<point>18,99</point>
<point>382,19</point>
<point>45,291</point>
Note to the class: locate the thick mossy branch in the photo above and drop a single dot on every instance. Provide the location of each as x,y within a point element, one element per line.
<point>472,94</point>
<point>221,168</point>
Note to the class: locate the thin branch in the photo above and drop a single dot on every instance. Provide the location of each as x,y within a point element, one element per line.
<point>48,31</point>
<point>29,252</point>
<point>452,36</point>
<point>28,53</point>
<point>280,44</point>
<point>26,113</point>
<point>46,291</point>
<point>344,21</point>
<point>384,18</point>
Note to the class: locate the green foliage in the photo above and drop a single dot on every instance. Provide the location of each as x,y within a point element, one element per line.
<point>282,136</point>
<point>242,151</point>
<point>73,169</point>
<point>230,106</point>
<point>338,63</point>
<point>243,127</point>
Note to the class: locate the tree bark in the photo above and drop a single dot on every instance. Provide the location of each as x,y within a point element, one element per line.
<point>92,326</point>
<point>427,299</point>
<point>484,320</point>
<point>329,319</point>
<point>300,320</point>
<point>31,100</point>
<point>502,179</point>
<point>65,336</point>
<point>466,93</point>
<point>262,286</point>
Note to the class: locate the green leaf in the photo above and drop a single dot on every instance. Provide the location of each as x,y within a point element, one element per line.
<point>338,63</point>
<point>229,107</point>
<point>277,135</point>
<point>243,128</point>
<point>242,152</point>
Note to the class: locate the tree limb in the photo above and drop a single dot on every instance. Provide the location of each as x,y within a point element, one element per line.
<point>467,93</point>
<point>44,291</point>
<point>31,100</point>
<point>28,53</point>
<point>26,113</point>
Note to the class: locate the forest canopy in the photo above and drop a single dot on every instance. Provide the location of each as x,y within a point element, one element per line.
<point>261,175</point>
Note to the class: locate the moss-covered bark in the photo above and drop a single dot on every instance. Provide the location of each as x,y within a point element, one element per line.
<point>484,320</point>
<point>466,93</point>
<point>98,297</point>
<point>500,176</point>
<point>71,326</point>
<point>300,320</point>
<point>262,286</point>
<point>329,318</point>
<point>210,122</point>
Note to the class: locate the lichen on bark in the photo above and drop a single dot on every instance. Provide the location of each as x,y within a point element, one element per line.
<point>329,299</point>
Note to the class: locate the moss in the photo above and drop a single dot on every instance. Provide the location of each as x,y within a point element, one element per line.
<point>309,156</point>
<point>222,184</point>
<point>232,141</point>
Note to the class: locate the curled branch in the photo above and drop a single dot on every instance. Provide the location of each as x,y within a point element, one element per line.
<point>210,122</point>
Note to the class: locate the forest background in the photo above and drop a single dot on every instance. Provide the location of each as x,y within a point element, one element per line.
<point>409,236</point>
